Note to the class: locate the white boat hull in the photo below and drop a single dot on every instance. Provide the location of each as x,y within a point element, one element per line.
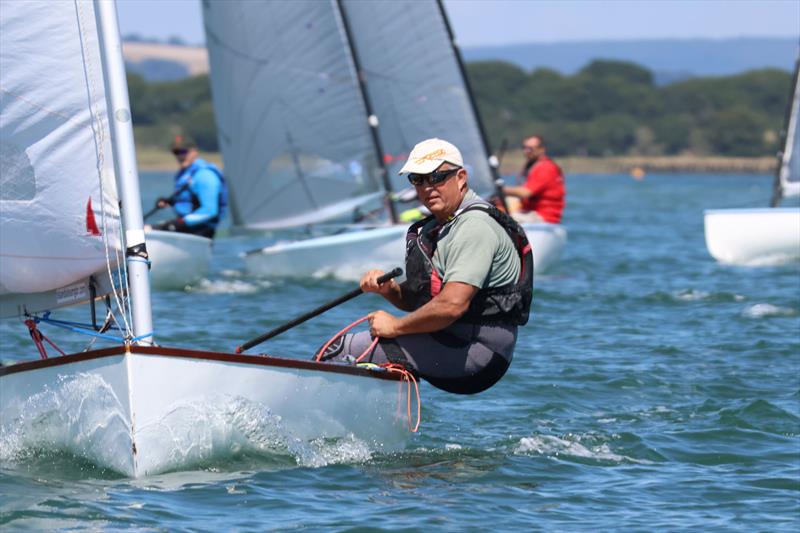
<point>548,242</point>
<point>753,237</point>
<point>349,255</point>
<point>177,259</point>
<point>151,410</point>
<point>344,255</point>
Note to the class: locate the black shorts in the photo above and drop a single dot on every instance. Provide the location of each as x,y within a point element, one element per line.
<point>462,358</point>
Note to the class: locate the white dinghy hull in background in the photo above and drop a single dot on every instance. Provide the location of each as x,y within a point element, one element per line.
<point>349,255</point>
<point>343,255</point>
<point>145,410</point>
<point>177,259</point>
<point>548,242</point>
<point>753,237</point>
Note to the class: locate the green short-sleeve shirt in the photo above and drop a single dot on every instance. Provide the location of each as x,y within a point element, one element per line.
<point>476,250</point>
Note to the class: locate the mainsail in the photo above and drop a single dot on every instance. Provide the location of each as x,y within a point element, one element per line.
<point>788,182</point>
<point>291,119</point>
<point>58,201</point>
<point>415,83</point>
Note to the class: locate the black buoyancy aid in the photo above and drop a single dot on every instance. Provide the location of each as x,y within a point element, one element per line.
<point>508,304</point>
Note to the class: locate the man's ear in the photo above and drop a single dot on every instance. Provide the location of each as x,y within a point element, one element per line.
<point>462,177</point>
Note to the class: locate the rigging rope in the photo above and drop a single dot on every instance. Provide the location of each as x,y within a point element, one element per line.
<point>38,337</point>
<point>408,377</point>
<point>98,128</point>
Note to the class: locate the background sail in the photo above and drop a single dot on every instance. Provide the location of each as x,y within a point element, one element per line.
<point>414,83</point>
<point>291,120</point>
<point>790,161</point>
<point>56,162</point>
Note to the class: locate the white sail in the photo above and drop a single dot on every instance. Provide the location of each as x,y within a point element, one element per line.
<point>414,82</point>
<point>414,87</point>
<point>58,201</point>
<point>292,123</point>
<point>789,173</point>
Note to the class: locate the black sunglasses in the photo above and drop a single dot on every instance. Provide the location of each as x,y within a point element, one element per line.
<point>180,151</point>
<point>437,176</point>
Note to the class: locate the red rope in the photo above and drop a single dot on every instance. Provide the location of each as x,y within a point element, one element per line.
<point>345,330</point>
<point>38,337</point>
<point>408,377</point>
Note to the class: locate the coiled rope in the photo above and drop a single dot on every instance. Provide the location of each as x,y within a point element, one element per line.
<point>408,377</point>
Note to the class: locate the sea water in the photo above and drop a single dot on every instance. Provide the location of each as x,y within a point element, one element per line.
<point>653,390</point>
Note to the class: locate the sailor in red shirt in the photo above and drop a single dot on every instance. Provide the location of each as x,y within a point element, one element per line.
<point>542,194</point>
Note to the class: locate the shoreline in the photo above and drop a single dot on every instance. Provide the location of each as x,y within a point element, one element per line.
<point>642,165</point>
<point>156,160</point>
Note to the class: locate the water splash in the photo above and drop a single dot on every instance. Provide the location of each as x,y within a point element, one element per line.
<point>692,295</point>
<point>235,286</point>
<point>78,414</point>
<point>81,416</point>
<point>571,446</point>
<point>220,428</point>
<point>767,310</point>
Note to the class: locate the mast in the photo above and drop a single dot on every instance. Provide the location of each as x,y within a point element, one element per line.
<point>787,137</point>
<point>494,163</point>
<point>125,167</point>
<point>372,119</point>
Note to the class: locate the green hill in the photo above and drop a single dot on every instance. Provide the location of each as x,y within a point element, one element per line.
<point>607,108</point>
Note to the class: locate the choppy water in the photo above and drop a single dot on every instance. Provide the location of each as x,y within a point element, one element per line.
<point>653,390</point>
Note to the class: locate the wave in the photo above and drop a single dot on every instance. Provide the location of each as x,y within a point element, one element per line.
<point>571,447</point>
<point>694,295</point>
<point>235,286</point>
<point>767,310</point>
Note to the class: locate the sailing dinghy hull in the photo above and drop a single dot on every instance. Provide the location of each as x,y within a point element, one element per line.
<point>753,237</point>
<point>349,255</point>
<point>343,255</point>
<point>144,410</point>
<point>548,242</point>
<point>178,259</point>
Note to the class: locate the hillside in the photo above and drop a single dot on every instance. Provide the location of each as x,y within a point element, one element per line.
<point>164,62</point>
<point>669,59</point>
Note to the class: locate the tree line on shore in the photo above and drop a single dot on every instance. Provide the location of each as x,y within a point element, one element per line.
<point>608,108</point>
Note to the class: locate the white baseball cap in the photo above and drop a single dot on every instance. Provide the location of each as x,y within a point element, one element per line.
<point>429,154</point>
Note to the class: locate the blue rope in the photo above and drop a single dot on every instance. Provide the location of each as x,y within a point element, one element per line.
<point>54,321</point>
<point>75,327</point>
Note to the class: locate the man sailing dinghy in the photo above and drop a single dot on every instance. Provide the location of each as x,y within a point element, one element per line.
<point>65,145</point>
<point>469,284</point>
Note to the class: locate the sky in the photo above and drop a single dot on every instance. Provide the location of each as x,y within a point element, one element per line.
<point>497,22</point>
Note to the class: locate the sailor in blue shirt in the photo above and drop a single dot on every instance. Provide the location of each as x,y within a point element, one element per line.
<point>201,194</point>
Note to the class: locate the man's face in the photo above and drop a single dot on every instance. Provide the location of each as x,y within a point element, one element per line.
<point>185,156</point>
<point>443,198</point>
<point>532,148</point>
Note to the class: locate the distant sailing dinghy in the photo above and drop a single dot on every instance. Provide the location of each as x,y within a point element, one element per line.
<point>177,259</point>
<point>133,407</point>
<point>310,133</point>
<point>768,236</point>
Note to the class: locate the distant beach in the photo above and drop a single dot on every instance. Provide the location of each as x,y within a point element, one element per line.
<point>153,159</point>
<point>650,164</point>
